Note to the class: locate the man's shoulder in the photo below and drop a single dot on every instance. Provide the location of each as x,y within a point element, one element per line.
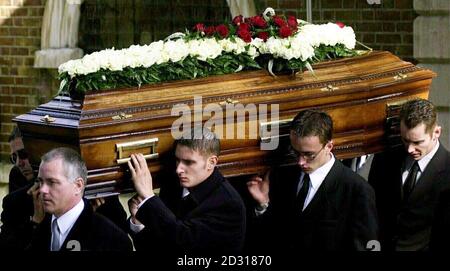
<point>347,177</point>
<point>17,198</point>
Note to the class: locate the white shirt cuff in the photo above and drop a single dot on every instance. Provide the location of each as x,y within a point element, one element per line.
<point>135,227</point>
<point>142,203</point>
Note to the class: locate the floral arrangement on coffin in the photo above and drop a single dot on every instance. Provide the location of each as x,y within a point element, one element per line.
<point>264,41</point>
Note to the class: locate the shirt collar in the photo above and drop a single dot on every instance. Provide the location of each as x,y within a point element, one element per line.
<point>66,221</point>
<point>318,175</point>
<point>185,192</point>
<point>203,189</point>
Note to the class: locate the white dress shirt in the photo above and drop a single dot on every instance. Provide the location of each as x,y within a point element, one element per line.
<point>423,163</point>
<point>66,221</point>
<point>316,177</point>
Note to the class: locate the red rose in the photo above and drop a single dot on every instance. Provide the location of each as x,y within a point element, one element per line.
<point>340,24</point>
<point>238,20</point>
<point>209,31</point>
<point>263,35</point>
<point>199,27</point>
<point>244,26</point>
<point>245,35</point>
<point>279,21</point>
<point>258,21</point>
<point>285,31</point>
<point>292,22</point>
<point>222,30</point>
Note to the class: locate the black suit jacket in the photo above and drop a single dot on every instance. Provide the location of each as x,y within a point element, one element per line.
<point>440,231</point>
<point>17,209</point>
<point>214,224</point>
<point>406,225</point>
<point>17,180</point>
<point>341,216</point>
<point>92,231</point>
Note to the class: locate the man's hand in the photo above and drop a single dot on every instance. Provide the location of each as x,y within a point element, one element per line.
<point>259,188</point>
<point>97,203</point>
<point>141,176</point>
<point>39,213</point>
<point>133,204</point>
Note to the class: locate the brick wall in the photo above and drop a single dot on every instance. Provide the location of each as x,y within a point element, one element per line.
<point>22,87</point>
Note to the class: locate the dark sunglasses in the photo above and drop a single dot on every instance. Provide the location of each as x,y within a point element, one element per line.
<point>20,154</point>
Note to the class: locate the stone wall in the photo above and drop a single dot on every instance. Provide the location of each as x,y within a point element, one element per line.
<point>431,49</point>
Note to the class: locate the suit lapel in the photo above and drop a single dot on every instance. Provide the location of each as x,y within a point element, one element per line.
<point>320,201</point>
<point>433,169</point>
<point>80,228</point>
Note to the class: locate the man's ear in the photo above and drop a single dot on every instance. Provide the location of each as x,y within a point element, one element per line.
<point>79,184</point>
<point>330,145</point>
<point>212,161</point>
<point>437,132</point>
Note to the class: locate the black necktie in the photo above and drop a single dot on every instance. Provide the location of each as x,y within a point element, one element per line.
<point>410,181</point>
<point>301,196</point>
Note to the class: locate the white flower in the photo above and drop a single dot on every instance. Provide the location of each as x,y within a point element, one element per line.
<point>205,49</point>
<point>176,50</point>
<point>300,46</point>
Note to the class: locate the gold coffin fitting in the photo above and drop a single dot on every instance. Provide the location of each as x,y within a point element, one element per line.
<point>263,127</point>
<point>126,146</point>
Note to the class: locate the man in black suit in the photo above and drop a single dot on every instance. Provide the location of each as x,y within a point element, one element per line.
<point>66,221</point>
<point>17,206</point>
<point>408,179</point>
<point>200,214</point>
<point>21,175</point>
<point>318,204</point>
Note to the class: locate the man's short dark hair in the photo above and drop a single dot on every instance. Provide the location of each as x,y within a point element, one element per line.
<point>417,111</point>
<point>202,140</point>
<point>15,133</point>
<point>73,163</point>
<point>313,123</point>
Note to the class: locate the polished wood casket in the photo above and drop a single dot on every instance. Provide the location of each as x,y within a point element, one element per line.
<point>362,94</point>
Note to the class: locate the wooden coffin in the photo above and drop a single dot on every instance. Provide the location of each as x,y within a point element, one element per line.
<point>360,93</point>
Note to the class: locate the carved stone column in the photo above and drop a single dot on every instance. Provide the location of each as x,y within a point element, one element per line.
<point>432,50</point>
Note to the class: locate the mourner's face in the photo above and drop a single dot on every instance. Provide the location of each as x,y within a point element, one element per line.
<point>310,152</point>
<point>57,192</point>
<point>418,142</point>
<point>19,157</point>
<point>192,167</point>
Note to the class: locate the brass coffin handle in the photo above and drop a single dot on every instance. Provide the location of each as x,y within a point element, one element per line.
<point>151,143</point>
<point>264,125</point>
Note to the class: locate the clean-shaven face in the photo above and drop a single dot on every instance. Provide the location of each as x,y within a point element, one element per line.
<point>192,167</point>
<point>418,142</point>
<point>311,154</point>
<point>58,193</point>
